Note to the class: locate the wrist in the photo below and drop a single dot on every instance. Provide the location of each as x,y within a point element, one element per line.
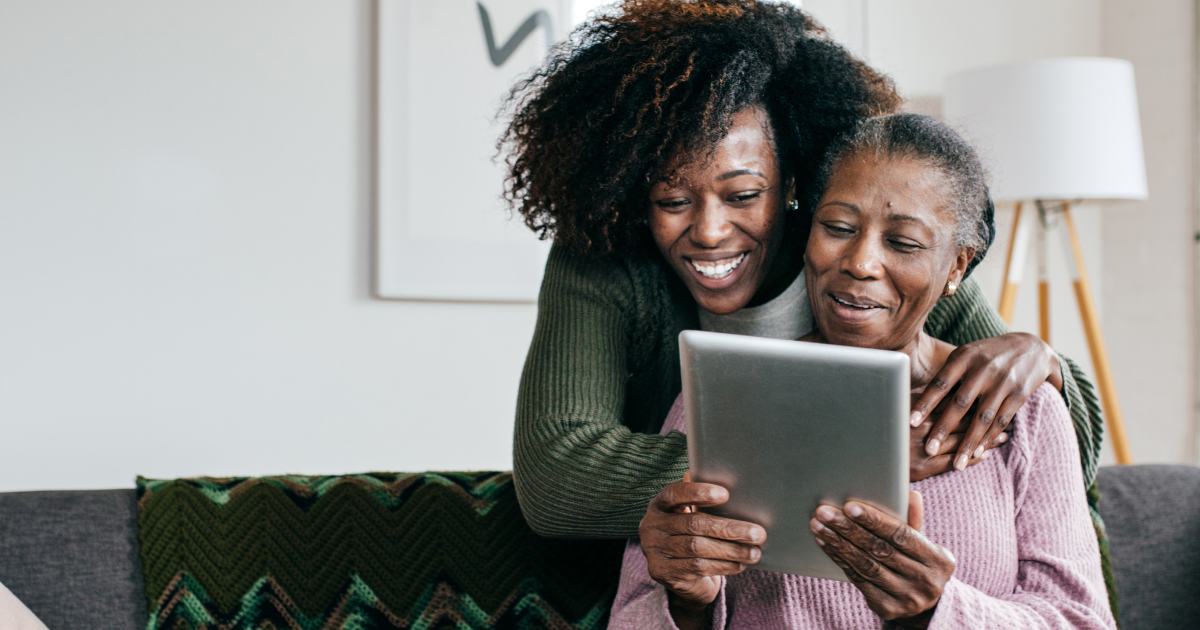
<point>688,614</point>
<point>1056,371</point>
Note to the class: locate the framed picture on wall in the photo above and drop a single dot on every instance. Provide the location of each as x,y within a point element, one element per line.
<point>444,68</point>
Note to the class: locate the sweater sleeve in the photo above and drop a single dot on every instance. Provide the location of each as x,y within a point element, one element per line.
<point>579,472</point>
<point>1059,583</point>
<point>968,317</point>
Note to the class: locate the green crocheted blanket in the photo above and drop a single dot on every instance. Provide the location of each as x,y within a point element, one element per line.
<point>360,552</point>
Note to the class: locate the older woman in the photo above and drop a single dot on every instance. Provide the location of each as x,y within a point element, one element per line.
<point>612,150</point>
<point>1006,544</point>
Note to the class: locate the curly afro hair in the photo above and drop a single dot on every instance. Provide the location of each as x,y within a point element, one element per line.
<point>649,78</point>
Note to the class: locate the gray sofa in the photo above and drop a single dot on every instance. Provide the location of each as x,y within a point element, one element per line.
<point>72,556</point>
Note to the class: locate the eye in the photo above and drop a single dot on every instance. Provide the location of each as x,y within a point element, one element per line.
<point>839,230</point>
<point>904,245</point>
<point>672,206</point>
<point>745,197</point>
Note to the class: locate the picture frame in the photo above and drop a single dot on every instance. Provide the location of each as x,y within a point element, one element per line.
<point>443,70</point>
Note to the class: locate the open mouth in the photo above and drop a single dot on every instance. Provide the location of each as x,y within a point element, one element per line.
<point>864,306</point>
<point>717,269</point>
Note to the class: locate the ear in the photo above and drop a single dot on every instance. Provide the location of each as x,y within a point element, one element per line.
<point>789,190</point>
<point>961,261</point>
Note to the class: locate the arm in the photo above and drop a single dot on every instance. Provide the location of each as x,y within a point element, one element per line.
<point>1059,584</point>
<point>578,471</point>
<point>967,318</point>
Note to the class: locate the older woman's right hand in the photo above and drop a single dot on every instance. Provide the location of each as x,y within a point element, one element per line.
<point>687,551</point>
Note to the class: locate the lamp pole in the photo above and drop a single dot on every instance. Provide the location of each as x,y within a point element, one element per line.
<point>1013,271</point>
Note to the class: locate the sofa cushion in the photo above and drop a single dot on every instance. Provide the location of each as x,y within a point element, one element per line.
<point>1153,519</point>
<point>71,557</point>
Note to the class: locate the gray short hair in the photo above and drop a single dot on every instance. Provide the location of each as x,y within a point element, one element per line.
<point>927,139</point>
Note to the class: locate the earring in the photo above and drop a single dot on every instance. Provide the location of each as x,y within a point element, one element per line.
<point>950,289</point>
<point>794,205</point>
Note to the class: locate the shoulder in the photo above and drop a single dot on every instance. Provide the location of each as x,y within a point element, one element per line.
<point>604,277</point>
<point>675,418</point>
<point>1042,426</point>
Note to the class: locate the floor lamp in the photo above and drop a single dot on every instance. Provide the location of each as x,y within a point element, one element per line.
<point>1056,131</point>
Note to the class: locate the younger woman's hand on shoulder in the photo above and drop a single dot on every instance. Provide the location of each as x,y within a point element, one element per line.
<point>688,551</point>
<point>992,376</point>
<point>922,465</point>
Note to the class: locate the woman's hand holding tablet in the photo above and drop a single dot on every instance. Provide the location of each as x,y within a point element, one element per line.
<point>899,571</point>
<point>688,550</point>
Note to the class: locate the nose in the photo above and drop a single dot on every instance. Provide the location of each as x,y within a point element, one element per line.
<point>711,226</point>
<point>863,259</point>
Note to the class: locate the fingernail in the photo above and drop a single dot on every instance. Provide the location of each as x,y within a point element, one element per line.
<point>960,463</point>
<point>854,510</point>
<point>817,527</point>
<point>932,446</point>
<point>987,455</point>
<point>825,513</point>
<point>757,535</point>
<point>915,419</point>
<point>979,452</point>
<point>1003,438</point>
<point>755,555</point>
<point>820,542</point>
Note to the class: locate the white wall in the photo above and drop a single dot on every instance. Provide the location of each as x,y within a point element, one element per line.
<point>184,258</point>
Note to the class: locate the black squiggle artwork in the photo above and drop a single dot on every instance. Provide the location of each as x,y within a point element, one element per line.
<point>501,54</point>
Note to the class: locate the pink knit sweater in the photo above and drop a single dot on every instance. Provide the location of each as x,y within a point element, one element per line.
<point>1016,523</point>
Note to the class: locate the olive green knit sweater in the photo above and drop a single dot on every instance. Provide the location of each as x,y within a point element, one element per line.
<point>603,370</point>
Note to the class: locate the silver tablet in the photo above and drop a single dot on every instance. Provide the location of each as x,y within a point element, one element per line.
<point>787,425</point>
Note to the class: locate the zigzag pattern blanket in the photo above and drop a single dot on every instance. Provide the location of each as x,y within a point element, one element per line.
<point>362,552</point>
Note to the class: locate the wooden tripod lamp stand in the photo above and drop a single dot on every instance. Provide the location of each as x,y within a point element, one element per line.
<point>1056,131</point>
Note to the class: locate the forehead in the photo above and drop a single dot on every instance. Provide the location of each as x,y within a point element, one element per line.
<point>749,144</point>
<point>910,185</point>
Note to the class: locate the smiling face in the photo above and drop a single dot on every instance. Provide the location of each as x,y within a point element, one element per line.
<point>719,221</point>
<point>881,250</point>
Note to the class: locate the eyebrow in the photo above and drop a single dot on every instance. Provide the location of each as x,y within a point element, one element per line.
<point>843,204</point>
<point>906,218</point>
<point>739,173</point>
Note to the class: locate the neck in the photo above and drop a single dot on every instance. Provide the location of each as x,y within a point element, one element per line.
<point>780,276</point>
<point>926,355</point>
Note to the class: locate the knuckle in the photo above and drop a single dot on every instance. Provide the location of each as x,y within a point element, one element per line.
<point>881,549</point>
<point>901,536</point>
<point>693,546</point>
<point>939,383</point>
<point>962,399</point>
<point>864,565</point>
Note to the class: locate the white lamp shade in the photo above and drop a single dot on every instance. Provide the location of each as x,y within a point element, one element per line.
<point>1054,128</point>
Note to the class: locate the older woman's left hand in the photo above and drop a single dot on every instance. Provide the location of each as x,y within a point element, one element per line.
<point>899,570</point>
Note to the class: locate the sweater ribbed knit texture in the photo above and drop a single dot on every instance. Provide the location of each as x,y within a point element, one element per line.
<point>1017,524</point>
<point>603,371</point>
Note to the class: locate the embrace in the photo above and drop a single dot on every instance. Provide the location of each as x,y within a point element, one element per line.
<point>722,165</point>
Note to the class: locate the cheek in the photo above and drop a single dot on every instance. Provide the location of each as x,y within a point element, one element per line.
<point>916,279</point>
<point>666,228</point>
<point>821,253</point>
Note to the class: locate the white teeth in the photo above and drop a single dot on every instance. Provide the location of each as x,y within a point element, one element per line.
<point>718,271</point>
<point>845,303</point>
